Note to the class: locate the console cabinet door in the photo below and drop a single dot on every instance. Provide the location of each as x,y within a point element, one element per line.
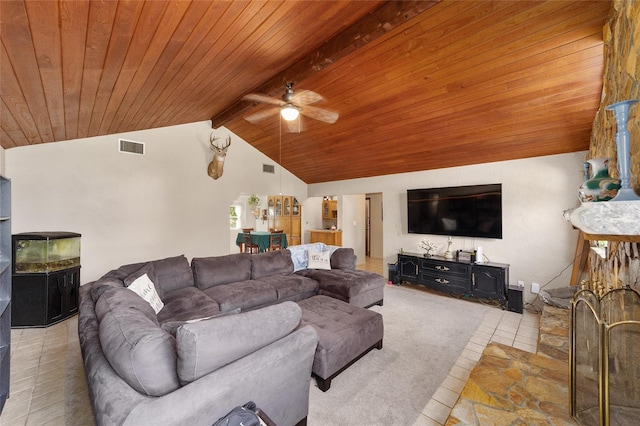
<point>489,282</point>
<point>408,268</point>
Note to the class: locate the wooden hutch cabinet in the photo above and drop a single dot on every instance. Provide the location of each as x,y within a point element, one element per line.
<point>285,212</point>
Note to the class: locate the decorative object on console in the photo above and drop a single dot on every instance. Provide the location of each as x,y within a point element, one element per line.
<point>449,254</point>
<point>429,247</point>
<point>599,186</point>
<point>479,255</point>
<point>621,110</point>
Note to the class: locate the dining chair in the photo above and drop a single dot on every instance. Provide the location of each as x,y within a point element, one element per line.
<point>245,230</point>
<point>249,247</point>
<point>275,240</point>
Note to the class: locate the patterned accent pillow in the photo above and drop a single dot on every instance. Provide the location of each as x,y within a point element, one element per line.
<point>144,287</point>
<point>319,259</point>
<point>300,255</point>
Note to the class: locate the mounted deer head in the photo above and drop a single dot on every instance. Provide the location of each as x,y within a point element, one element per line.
<point>216,165</point>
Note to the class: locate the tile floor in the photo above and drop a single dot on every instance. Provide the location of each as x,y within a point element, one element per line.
<point>509,328</point>
<point>38,358</point>
<point>38,365</point>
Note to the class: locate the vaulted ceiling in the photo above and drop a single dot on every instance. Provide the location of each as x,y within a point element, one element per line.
<point>419,85</point>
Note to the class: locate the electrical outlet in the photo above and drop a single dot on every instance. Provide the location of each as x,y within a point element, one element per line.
<point>520,283</point>
<point>535,288</point>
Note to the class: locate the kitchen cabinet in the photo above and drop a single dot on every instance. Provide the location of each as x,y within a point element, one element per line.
<point>329,209</point>
<point>331,238</point>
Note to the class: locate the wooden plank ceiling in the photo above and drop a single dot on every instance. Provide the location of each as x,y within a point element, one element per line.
<point>418,85</point>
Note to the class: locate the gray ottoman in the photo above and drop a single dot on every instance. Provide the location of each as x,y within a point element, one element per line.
<point>345,334</point>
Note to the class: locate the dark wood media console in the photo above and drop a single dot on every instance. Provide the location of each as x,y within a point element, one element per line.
<point>481,280</point>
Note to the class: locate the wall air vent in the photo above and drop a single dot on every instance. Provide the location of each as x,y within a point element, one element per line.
<point>268,168</point>
<point>131,147</point>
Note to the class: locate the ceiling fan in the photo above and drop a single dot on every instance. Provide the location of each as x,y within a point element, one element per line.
<point>290,106</point>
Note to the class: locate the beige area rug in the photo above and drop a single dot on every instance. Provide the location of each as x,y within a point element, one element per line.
<point>425,333</point>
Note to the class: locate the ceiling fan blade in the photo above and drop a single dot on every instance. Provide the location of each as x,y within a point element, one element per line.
<point>261,115</point>
<point>326,115</point>
<point>306,97</point>
<point>256,97</point>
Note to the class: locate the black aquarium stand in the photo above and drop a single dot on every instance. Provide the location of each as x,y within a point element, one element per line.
<point>46,278</point>
<point>479,280</point>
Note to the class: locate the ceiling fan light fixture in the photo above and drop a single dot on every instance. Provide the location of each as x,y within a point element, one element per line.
<point>289,112</point>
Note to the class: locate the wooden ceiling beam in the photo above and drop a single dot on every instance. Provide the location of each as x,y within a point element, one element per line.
<point>379,22</point>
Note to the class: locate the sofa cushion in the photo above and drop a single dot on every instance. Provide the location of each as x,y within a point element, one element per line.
<point>343,258</point>
<point>172,326</point>
<point>271,263</point>
<point>205,346</point>
<point>187,304</point>
<point>150,271</point>
<point>244,295</point>
<point>173,273</point>
<point>220,270</point>
<point>292,287</point>
<point>137,348</point>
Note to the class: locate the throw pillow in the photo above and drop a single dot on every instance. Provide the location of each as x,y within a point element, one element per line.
<point>151,273</point>
<point>143,287</point>
<point>319,259</point>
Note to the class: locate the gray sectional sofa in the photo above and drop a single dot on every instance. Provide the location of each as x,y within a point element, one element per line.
<point>229,332</point>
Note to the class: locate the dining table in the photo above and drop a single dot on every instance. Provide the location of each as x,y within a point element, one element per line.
<point>260,238</point>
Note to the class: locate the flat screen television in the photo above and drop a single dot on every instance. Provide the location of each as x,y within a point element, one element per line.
<point>463,211</point>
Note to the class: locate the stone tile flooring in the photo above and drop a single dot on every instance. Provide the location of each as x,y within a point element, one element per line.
<point>498,327</point>
<point>511,386</point>
<point>38,371</point>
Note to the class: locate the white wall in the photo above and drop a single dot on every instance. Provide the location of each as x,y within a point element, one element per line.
<point>132,208</point>
<point>537,242</point>
<point>311,217</point>
<point>351,219</point>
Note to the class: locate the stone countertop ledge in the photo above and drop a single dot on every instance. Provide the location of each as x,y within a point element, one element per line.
<point>607,218</point>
